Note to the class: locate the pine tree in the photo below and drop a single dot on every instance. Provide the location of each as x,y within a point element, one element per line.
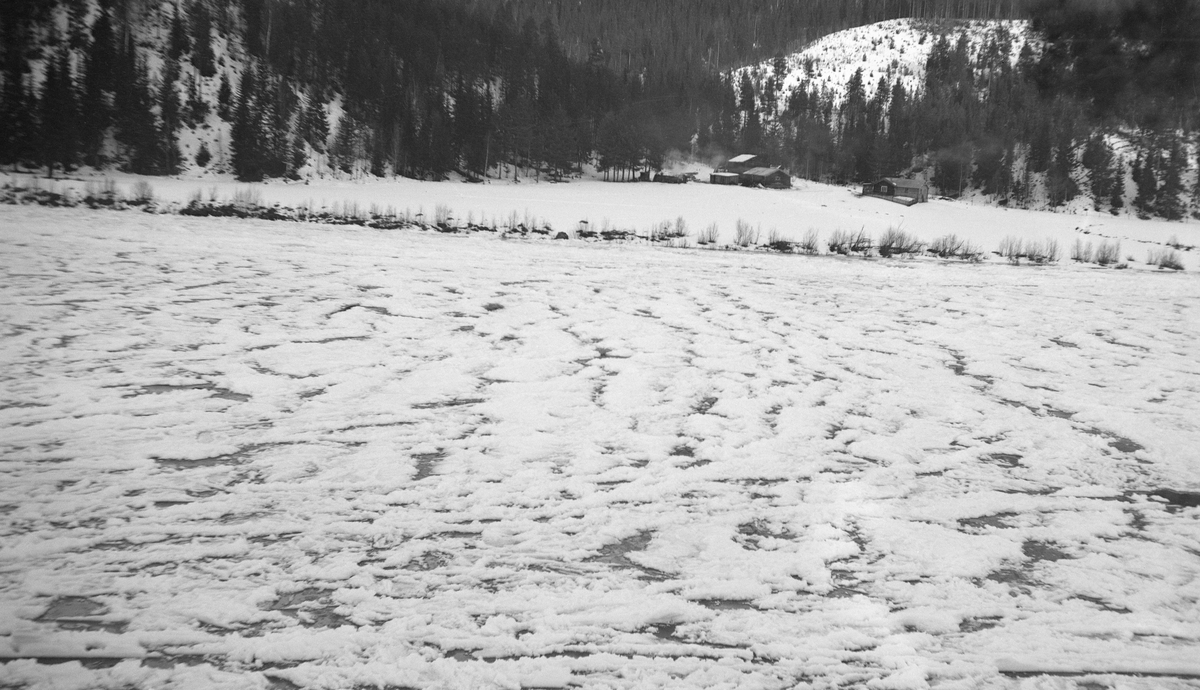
<point>178,41</point>
<point>99,83</point>
<point>314,124</point>
<point>170,112</point>
<point>19,132</point>
<point>59,121</point>
<point>202,52</point>
<point>1167,202</point>
<point>225,98</point>
<point>1117,200</point>
<point>134,116</point>
<point>245,135</point>
<point>1147,186</point>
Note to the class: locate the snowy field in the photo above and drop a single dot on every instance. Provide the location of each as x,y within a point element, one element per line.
<point>272,455</point>
<point>809,205</point>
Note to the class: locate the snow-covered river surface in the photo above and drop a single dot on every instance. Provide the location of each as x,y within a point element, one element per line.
<point>243,454</point>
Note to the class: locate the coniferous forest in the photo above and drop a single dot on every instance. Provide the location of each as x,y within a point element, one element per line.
<point>426,88</point>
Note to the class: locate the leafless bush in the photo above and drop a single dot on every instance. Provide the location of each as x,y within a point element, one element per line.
<point>1046,252</point>
<point>141,193</point>
<point>1166,258</point>
<point>810,243</point>
<point>1012,248</point>
<point>441,215</point>
<point>659,231</point>
<point>680,229</point>
<point>896,241</point>
<point>1108,253</point>
<point>247,196</point>
<point>947,246</point>
<point>708,235</point>
<point>860,242</point>
<point>1051,251</point>
<point>839,242</point>
<point>1081,252</point>
<point>1174,243</point>
<point>744,235</point>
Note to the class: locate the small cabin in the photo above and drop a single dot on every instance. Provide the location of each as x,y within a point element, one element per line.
<point>740,164</point>
<point>899,189</point>
<point>766,177</point>
<point>724,178</point>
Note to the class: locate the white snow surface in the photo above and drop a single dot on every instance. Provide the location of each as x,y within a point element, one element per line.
<point>242,454</point>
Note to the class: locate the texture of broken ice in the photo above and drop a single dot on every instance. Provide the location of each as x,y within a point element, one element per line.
<point>241,454</point>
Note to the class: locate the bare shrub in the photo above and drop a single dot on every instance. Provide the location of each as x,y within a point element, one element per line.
<point>1174,243</point>
<point>1012,248</point>
<point>839,242</point>
<point>1081,252</point>
<point>441,215</point>
<point>247,196</point>
<point>1051,251</point>
<point>811,242</point>
<point>971,252</point>
<point>708,235</point>
<point>1108,253</point>
<point>680,229</point>
<point>860,242</point>
<point>1169,258</point>
<point>947,246</point>
<point>896,241</point>
<point>744,235</point>
<point>659,231</point>
<point>141,193</point>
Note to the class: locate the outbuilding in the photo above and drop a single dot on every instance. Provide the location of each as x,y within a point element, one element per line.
<point>899,189</point>
<point>724,178</point>
<point>766,177</point>
<point>740,164</point>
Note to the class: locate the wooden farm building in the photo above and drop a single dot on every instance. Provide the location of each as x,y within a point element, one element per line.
<point>724,178</point>
<point>740,164</point>
<point>898,189</point>
<point>767,177</point>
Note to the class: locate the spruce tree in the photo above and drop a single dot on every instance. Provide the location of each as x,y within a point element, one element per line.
<point>178,41</point>
<point>58,114</point>
<point>99,83</point>
<point>245,135</point>
<point>225,98</point>
<point>1167,202</point>
<point>1147,185</point>
<point>17,107</point>
<point>170,110</point>
<point>136,125</point>
<point>1117,200</point>
<point>202,52</point>
<point>315,126</point>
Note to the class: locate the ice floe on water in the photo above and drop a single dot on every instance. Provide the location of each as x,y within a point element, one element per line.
<point>243,454</point>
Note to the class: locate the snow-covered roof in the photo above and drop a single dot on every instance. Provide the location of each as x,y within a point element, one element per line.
<point>762,171</point>
<point>744,158</point>
<point>905,182</point>
<point>725,174</point>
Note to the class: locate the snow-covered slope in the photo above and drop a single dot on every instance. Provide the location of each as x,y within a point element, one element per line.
<point>894,49</point>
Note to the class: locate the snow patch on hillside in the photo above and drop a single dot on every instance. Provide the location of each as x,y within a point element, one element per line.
<point>894,49</point>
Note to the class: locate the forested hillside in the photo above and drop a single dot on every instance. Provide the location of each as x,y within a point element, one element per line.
<point>1092,99</point>
<point>1081,102</point>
